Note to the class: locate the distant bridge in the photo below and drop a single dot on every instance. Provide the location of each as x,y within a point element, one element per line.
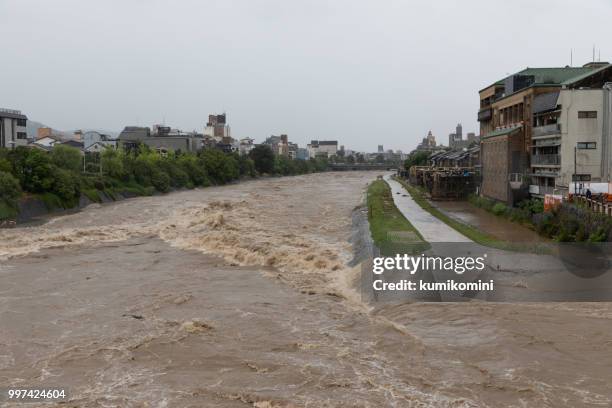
<point>361,166</point>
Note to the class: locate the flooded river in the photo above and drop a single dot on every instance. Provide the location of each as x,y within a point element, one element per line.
<point>242,296</point>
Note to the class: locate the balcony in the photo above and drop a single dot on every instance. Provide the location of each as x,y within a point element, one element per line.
<point>485,114</point>
<point>546,130</point>
<point>541,190</point>
<point>546,160</point>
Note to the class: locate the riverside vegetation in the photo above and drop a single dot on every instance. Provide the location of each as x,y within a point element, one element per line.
<point>567,222</point>
<point>62,176</point>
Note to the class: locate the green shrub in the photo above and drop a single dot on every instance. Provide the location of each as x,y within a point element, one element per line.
<point>10,191</point>
<point>66,186</point>
<point>92,194</point>
<point>160,180</point>
<point>66,157</point>
<point>51,201</point>
<point>263,159</point>
<point>499,209</point>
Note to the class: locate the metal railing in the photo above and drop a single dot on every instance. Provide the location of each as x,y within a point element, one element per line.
<point>546,130</point>
<point>546,159</point>
<point>12,111</point>
<point>542,190</point>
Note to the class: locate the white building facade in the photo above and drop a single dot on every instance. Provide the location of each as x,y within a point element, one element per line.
<point>13,129</point>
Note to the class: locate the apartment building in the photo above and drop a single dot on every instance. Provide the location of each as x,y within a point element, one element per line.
<point>325,148</point>
<point>13,128</point>
<point>217,127</point>
<point>507,125</point>
<point>572,141</point>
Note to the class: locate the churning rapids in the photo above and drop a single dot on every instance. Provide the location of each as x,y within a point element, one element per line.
<point>242,295</point>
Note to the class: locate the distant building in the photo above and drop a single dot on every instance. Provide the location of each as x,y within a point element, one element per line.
<point>246,145</point>
<point>302,154</point>
<point>92,137</point>
<point>292,150</point>
<point>428,142</point>
<point>278,144</point>
<point>47,141</point>
<point>72,143</point>
<point>44,132</point>
<point>163,140</point>
<point>13,128</point>
<point>217,127</point>
<point>380,149</point>
<point>325,148</point>
<point>455,140</point>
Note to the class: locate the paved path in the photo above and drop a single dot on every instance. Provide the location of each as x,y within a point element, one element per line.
<point>431,228</point>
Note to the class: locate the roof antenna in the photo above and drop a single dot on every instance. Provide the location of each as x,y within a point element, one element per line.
<point>571,57</point>
<point>593,52</point>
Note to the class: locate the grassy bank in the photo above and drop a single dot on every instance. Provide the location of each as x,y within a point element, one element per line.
<point>390,230</point>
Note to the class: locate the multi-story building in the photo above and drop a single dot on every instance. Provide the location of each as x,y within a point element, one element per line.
<point>325,148</point>
<point>302,153</point>
<point>13,128</point>
<point>278,144</point>
<point>217,127</point>
<point>506,127</point>
<point>163,139</point>
<point>572,135</point>
<point>246,145</point>
<point>456,139</point>
<point>428,142</point>
<point>100,139</point>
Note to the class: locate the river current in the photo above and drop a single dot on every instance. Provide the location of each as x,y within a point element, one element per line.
<point>244,295</point>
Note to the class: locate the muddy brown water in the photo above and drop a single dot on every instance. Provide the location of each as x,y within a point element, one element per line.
<point>498,227</point>
<point>241,296</point>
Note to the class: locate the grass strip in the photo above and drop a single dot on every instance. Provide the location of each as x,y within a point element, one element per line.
<point>390,230</point>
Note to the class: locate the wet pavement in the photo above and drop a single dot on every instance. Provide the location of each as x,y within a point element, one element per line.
<point>432,229</point>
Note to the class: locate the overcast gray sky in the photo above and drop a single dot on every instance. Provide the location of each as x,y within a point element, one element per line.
<point>363,72</point>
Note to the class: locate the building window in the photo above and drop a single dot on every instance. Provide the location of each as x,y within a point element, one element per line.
<point>586,145</point>
<point>581,177</point>
<point>22,135</point>
<point>587,114</point>
<point>21,122</point>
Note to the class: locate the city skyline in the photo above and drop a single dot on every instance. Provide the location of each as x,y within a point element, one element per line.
<point>355,72</point>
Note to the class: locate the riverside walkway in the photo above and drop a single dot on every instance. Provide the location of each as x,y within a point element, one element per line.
<point>431,228</point>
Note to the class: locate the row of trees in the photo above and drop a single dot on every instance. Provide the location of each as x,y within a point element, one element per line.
<point>59,177</point>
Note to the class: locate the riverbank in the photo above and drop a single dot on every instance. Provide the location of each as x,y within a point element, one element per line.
<point>60,180</point>
<point>482,236</point>
<point>34,208</point>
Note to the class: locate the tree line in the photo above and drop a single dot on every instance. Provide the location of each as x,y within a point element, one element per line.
<point>61,176</point>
